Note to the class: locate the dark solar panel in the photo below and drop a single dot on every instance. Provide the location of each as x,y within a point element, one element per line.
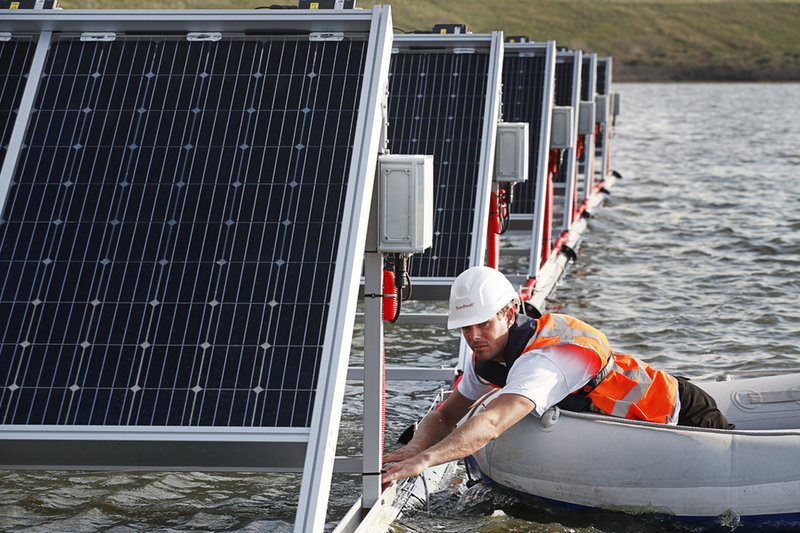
<point>167,245</point>
<point>523,94</point>
<point>15,61</point>
<point>587,95</point>
<point>437,102</point>
<point>563,95</point>
<point>564,82</point>
<point>601,89</point>
<point>586,78</point>
<point>601,77</point>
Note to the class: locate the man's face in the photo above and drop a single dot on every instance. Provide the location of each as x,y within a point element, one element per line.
<point>488,339</point>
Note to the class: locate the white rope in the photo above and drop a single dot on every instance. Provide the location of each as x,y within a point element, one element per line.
<point>667,427</point>
<point>724,373</point>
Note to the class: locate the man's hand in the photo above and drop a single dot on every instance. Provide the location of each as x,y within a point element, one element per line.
<point>482,427</point>
<point>411,467</point>
<point>401,454</point>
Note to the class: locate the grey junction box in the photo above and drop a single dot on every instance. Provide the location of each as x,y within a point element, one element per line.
<point>511,154</point>
<point>405,208</point>
<point>586,118</point>
<point>602,108</point>
<point>562,132</point>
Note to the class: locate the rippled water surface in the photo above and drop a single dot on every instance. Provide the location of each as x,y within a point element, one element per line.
<point>692,263</point>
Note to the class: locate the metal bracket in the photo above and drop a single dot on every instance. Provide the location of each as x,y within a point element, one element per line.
<point>326,36</point>
<point>98,36</point>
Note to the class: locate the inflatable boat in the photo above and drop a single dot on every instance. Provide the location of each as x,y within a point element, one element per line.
<point>588,460</point>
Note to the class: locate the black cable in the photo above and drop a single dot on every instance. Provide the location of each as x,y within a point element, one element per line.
<point>503,207</point>
<point>400,268</point>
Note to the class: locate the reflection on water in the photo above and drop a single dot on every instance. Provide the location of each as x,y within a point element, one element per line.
<point>691,263</point>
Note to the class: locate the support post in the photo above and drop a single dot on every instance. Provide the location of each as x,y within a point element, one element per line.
<point>374,375</point>
<point>373,379</point>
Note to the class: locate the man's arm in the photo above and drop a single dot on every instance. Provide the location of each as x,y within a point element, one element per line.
<point>434,427</point>
<point>503,412</point>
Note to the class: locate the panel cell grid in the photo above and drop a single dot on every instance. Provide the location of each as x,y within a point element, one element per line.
<point>564,86</point>
<point>523,93</point>
<point>602,68</point>
<point>437,103</point>
<point>15,61</point>
<point>586,74</point>
<point>601,77</point>
<point>168,241</point>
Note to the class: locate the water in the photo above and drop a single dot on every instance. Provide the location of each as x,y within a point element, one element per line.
<point>691,263</point>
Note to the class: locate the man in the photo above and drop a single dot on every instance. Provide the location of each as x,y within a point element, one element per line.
<point>556,359</point>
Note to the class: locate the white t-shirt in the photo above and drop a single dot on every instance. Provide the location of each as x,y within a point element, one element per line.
<point>544,376</point>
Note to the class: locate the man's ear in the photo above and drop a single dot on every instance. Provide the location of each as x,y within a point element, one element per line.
<point>510,316</point>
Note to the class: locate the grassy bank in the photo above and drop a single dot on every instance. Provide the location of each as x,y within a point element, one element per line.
<point>753,40</point>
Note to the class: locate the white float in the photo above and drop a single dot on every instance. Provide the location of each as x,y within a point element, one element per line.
<point>589,460</point>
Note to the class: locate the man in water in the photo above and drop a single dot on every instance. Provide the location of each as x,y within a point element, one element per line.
<point>537,363</point>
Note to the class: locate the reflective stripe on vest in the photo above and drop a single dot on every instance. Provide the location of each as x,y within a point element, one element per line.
<point>631,390</point>
<point>636,391</point>
<point>555,329</point>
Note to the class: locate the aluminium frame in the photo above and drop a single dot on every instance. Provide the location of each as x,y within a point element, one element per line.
<point>534,222</point>
<point>311,449</point>
<point>590,65</point>
<point>438,288</point>
<point>575,57</point>
<point>605,126</point>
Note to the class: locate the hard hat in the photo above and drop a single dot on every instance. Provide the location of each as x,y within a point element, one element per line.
<point>477,294</point>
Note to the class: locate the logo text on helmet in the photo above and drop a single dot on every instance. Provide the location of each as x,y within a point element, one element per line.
<point>460,307</point>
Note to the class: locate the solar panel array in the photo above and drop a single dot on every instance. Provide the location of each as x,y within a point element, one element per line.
<point>523,92</point>
<point>437,103</point>
<point>17,54</point>
<point>168,241</point>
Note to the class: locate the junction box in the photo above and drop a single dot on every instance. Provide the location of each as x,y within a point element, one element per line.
<point>511,152</point>
<point>586,118</point>
<point>405,205</point>
<point>562,132</point>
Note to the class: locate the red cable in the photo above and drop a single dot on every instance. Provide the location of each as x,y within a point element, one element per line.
<point>389,302</point>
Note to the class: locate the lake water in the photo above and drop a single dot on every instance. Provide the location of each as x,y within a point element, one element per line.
<point>691,263</point>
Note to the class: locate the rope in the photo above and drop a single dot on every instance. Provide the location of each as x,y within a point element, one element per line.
<point>666,427</point>
<point>724,373</point>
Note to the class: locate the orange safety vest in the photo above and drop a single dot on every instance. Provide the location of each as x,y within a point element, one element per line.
<point>624,387</point>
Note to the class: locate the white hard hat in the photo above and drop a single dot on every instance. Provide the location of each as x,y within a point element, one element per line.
<point>477,294</point>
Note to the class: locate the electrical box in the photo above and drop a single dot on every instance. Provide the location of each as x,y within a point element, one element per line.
<point>617,104</point>
<point>326,4</point>
<point>450,28</point>
<point>586,118</point>
<point>405,205</point>
<point>562,132</point>
<point>511,152</point>
<point>601,108</point>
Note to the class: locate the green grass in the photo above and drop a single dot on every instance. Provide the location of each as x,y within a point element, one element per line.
<point>649,41</point>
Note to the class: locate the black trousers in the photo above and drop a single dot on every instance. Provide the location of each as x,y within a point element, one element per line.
<point>698,408</point>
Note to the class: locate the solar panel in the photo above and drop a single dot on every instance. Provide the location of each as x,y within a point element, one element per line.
<point>16,55</point>
<point>528,95</point>
<point>586,163</point>
<point>604,135</point>
<point>567,94</point>
<point>602,75</point>
<point>182,238</point>
<point>444,101</point>
<point>160,235</point>
<point>524,88</point>
<point>588,74</point>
